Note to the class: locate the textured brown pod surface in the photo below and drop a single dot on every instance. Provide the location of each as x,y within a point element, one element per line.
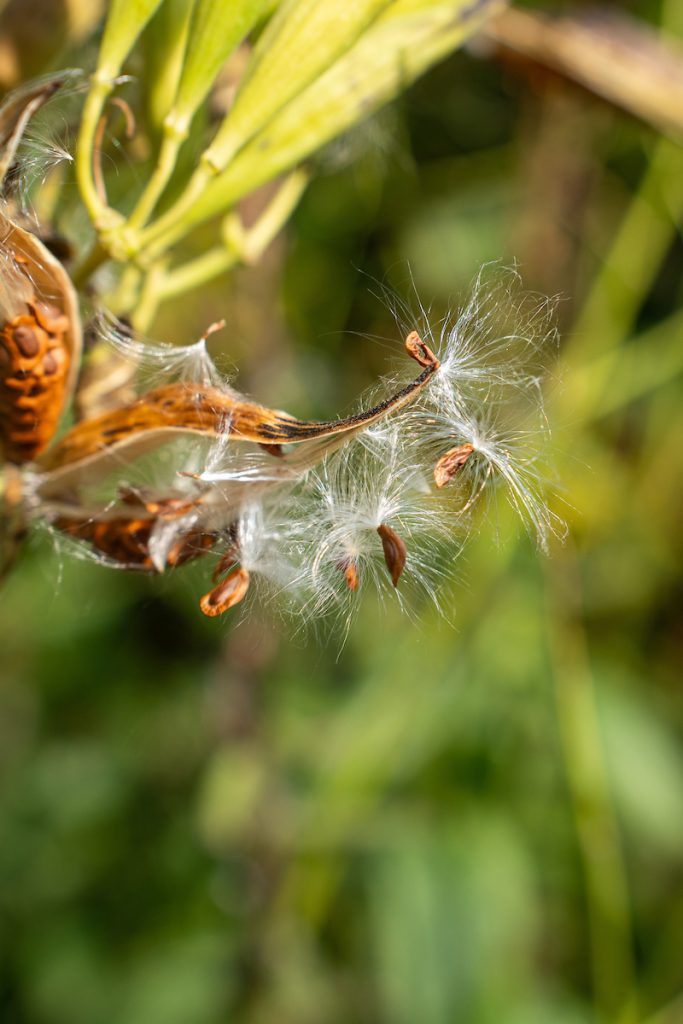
<point>126,540</point>
<point>40,342</point>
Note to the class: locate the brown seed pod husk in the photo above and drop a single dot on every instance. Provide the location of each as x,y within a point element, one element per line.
<point>450,464</point>
<point>40,342</point>
<point>395,552</point>
<point>126,540</point>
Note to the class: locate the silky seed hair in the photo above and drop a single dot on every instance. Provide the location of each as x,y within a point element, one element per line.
<point>384,504</point>
<point>153,362</point>
<point>47,143</point>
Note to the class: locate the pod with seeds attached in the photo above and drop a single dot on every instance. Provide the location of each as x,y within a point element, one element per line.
<point>40,342</point>
<point>93,447</point>
<point>126,540</point>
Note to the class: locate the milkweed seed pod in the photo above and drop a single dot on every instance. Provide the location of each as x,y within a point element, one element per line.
<point>40,342</point>
<point>126,541</point>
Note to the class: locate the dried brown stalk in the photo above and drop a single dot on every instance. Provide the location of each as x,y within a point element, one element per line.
<point>614,55</point>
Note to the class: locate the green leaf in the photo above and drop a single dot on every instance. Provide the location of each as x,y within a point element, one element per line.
<point>215,30</point>
<point>302,40</point>
<point>126,20</point>
<point>165,43</point>
<point>401,45</point>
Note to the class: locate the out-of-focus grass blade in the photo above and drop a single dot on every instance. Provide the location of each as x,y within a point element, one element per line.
<point>649,788</point>
<point>614,55</point>
<point>434,930</point>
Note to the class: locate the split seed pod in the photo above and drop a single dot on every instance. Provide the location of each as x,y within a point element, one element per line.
<point>95,446</point>
<point>126,541</point>
<point>40,342</point>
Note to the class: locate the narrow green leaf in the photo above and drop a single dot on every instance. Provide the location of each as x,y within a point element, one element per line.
<point>215,30</point>
<point>165,42</point>
<point>302,40</point>
<point>125,22</point>
<point>405,41</point>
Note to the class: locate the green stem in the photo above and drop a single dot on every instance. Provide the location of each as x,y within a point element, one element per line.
<point>150,297</point>
<point>604,870</point>
<point>197,272</point>
<point>172,221</point>
<point>122,299</point>
<point>241,245</point>
<point>258,237</point>
<point>168,155</point>
<point>101,215</point>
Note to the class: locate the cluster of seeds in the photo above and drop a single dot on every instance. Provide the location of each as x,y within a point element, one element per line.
<point>33,363</point>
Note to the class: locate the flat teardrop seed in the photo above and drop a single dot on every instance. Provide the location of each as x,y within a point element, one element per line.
<point>27,340</point>
<point>226,594</point>
<point>395,552</point>
<point>50,364</point>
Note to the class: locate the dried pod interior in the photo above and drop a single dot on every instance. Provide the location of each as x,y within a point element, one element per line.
<point>40,342</point>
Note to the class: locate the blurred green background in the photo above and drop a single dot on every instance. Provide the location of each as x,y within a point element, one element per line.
<point>216,820</point>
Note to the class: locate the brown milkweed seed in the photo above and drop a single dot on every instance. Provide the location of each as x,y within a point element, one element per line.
<point>226,594</point>
<point>350,570</point>
<point>420,352</point>
<point>450,463</point>
<point>395,552</point>
<point>227,561</point>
